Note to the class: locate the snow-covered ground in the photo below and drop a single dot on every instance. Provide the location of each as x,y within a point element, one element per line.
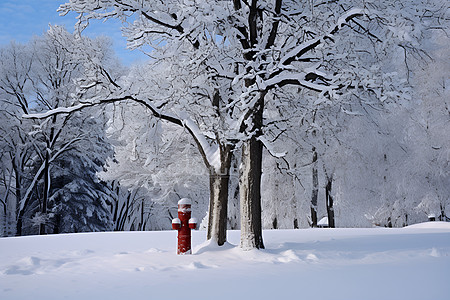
<point>379,263</point>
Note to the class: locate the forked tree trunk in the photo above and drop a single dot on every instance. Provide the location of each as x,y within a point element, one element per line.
<point>218,203</point>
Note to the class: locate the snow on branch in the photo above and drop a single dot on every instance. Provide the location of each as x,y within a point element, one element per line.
<point>269,148</point>
<point>30,187</point>
<point>118,9</point>
<point>311,44</point>
<point>38,174</point>
<point>298,78</point>
<point>57,111</point>
<point>209,151</point>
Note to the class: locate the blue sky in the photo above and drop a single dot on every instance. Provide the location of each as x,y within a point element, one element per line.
<point>20,20</point>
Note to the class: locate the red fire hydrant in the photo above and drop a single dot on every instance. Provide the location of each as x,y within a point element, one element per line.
<point>184,223</point>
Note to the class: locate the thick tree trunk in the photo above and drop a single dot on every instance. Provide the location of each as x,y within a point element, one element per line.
<point>315,189</point>
<point>329,202</point>
<point>250,195</point>
<point>250,182</point>
<point>218,203</point>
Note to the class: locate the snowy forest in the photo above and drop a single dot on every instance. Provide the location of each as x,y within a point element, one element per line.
<point>268,114</point>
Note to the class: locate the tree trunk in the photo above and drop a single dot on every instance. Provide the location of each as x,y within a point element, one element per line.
<point>19,213</point>
<point>442,217</point>
<point>218,202</point>
<point>315,189</point>
<point>250,195</point>
<point>275,223</point>
<point>296,224</point>
<point>115,208</point>
<point>19,223</point>
<point>329,202</point>
<point>123,215</point>
<point>42,226</point>
<point>57,226</point>
<point>141,224</point>
<point>5,219</point>
<point>250,181</point>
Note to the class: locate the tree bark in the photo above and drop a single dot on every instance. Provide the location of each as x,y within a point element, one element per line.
<point>315,189</point>
<point>5,219</point>
<point>42,226</point>
<point>442,217</point>
<point>19,223</point>
<point>218,203</point>
<point>251,165</point>
<point>250,195</point>
<point>19,212</point>
<point>330,203</point>
<point>250,182</point>
<point>57,226</point>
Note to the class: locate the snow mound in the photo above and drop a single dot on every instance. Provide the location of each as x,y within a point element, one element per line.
<point>432,225</point>
<point>211,246</point>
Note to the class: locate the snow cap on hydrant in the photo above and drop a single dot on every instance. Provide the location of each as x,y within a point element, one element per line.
<point>184,223</point>
<point>185,201</point>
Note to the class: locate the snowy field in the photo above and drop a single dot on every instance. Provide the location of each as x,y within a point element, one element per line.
<point>379,263</point>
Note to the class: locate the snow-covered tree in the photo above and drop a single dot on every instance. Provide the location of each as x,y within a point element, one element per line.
<point>225,63</point>
<point>36,77</point>
<point>400,151</point>
<point>429,124</point>
<point>365,140</point>
<point>79,201</point>
<point>16,148</point>
<point>157,158</point>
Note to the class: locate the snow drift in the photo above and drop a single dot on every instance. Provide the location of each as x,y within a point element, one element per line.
<point>377,263</point>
